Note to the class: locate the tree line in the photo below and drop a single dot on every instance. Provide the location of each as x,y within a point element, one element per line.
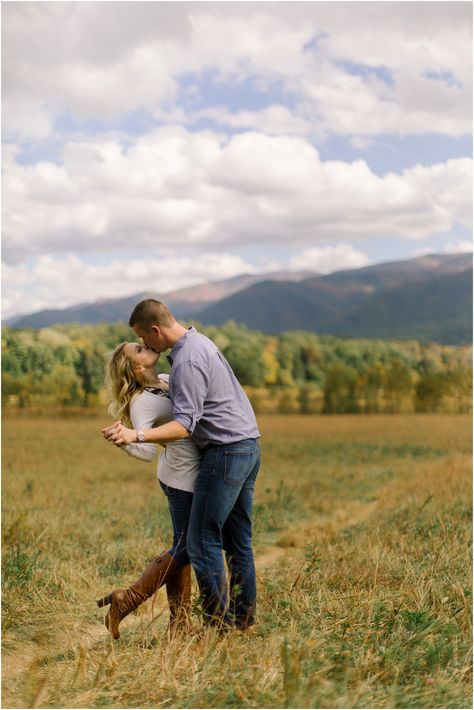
<point>295,372</point>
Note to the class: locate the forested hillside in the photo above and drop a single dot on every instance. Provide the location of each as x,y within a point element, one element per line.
<point>296,371</point>
<point>396,301</point>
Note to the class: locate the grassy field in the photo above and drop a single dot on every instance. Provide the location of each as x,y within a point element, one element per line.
<point>362,539</point>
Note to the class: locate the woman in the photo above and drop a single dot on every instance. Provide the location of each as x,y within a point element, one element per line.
<point>139,398</point>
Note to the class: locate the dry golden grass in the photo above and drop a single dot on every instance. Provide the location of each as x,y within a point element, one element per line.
<point>362,536</point>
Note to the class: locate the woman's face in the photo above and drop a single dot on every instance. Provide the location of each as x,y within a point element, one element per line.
<point>141,356</point>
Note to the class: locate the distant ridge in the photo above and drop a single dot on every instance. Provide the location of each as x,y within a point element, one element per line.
<point>188,300</point>
<point>438,309</point>
<point>425,298</point>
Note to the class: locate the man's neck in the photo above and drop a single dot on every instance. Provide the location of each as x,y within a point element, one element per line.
<point>175,333</point>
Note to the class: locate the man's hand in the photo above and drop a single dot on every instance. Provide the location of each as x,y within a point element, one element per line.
<point>119,435</point>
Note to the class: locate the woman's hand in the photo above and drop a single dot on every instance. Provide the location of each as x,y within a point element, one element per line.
<point>119,435</point>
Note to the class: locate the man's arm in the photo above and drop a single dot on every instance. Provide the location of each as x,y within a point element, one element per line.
<point>119,435</point>
<point>191,385</point>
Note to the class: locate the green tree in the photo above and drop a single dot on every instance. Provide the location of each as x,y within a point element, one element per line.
<point>430,390</point>
<point>310,398</point>
<point>270,362</point>
<point>371,384</point>
<point>459,385</point>
<point>90,368</point>
<point>340,390</point>
<point>397,385</point>
<point>246,361</point>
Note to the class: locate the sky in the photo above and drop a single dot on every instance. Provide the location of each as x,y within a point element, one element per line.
<point>151,146</point>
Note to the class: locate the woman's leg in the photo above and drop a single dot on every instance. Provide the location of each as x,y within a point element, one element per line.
<point>179,503</point>
<point>178,587</point>
<point>170,568</point>
<point>178,591</point>
<point>124,601</point>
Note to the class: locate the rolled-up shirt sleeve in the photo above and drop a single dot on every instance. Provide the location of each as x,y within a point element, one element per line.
<point>190,387</point>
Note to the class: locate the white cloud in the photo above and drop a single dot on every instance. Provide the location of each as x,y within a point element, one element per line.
<point>197,189</point>
<point>358,70</point>
<point>361,143</point>
<point>273,120</point>
<point>53,282</point>
<point>402,36</point>
<point>458,247</point>
<point>327,259</point>
<point>101,60</point>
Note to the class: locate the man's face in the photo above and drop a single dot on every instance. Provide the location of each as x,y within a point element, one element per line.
<point>151,337</point>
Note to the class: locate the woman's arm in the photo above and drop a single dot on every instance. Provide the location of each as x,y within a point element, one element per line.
<point>143,413</point>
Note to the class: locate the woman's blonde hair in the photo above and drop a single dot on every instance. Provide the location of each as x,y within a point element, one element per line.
<point>123,381</point>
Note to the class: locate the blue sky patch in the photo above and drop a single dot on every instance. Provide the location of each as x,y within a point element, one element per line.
<point>133,123</point>
<point>208,90</point>
<point>446,77</point>
<point>396,153</point>
<point>366,72</point>
<point>315,42</point>
<point>32,152</point>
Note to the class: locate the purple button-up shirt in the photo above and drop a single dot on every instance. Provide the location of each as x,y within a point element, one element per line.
<point>207,397</point>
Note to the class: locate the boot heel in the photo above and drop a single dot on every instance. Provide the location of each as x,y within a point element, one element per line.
<point>104,601</point>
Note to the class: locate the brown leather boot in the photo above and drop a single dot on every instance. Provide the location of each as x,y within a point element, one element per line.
<point>178,590</point>
<point>123,601</point>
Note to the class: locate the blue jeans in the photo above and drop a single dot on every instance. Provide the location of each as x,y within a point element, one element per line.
<point>179,503</point>
<point>221,519</point>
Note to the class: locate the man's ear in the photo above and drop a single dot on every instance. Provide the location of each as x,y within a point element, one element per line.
<point>156,330</point>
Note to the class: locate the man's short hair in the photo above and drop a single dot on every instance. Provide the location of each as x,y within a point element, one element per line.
<point>151,312</point>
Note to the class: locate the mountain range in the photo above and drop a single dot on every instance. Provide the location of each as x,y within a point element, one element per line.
<point>425,298</point>
<point>184,302</point>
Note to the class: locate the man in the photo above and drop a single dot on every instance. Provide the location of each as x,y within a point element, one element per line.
<point>210,406</point>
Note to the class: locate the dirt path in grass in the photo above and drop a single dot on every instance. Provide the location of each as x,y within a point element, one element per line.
<point>297,536</point>
<point>28,653</point>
